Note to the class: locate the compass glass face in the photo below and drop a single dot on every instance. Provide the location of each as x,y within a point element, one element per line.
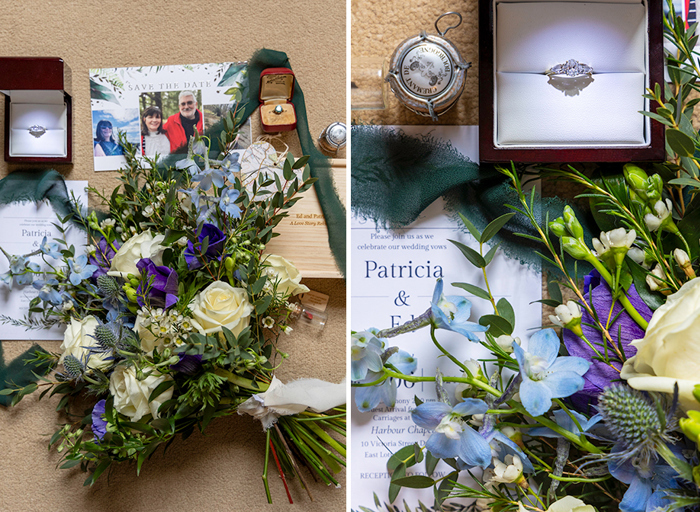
<point>426,70</point>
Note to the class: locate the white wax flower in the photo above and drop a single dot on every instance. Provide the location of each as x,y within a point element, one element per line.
<point>506,342</point>
<point>131,395</point>
<point>565,313</point>
<point>508,471</point>
<point>221,305</point>
<point>669,353</point>
<point>655,280</point>
<point>663,210</point>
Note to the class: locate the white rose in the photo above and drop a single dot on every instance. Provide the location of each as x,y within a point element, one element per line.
<point>285,274</point>
<point>131,395</point>
<point>670,349</point>
<point>221,305</point>
<point>143,245</point>
<point>566,504</point>
<point>78,340</point>
<point>148,340</point>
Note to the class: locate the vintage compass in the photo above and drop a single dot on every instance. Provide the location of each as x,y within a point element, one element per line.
<point>427,72</point>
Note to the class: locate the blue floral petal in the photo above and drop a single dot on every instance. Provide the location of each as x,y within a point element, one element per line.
<point>471,406</point>
<point>367,398</point>
<point>403,361</point>
<point>474,450</point>
<point>429,414</point>
<point>535,396</point>
<point>443,447</point>
<point>636,497</point>
<point>563,384</point>
<point>570,364</point>
<point>545,344</point>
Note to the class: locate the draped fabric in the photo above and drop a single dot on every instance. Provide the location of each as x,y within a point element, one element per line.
<point>396,176</point>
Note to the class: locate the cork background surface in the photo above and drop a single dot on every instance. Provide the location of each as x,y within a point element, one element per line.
<point>379,27</point>
<point>222,470</point>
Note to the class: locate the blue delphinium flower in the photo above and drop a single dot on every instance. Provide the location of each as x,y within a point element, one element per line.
<point>209,176</point>
<point>49,249</point>
<point>80,269</point>
<point>365,354</point>
<point>189,165</point>
<point>232,165</point>
<point>648,482</point>
<point>47,292</point>
<point>562,418</point>
<point>452,436</point>
<point>99,424</point>
<point>367,398</point>
<point>227,203</point>
<point>452,313</point>
<point>546,376</point>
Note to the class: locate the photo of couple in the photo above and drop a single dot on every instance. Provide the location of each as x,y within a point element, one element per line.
<point>164,135</point>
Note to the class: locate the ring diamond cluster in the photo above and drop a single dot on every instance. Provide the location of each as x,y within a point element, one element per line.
<point>37,130</point>
<point>571,68</point>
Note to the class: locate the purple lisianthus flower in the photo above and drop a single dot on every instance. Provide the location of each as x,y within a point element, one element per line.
<point>600,374</point>
<point>102,258</point>
<point>216,239</point>
<point>99,424</point>
<point>160,283</point>
<point>188,364</point>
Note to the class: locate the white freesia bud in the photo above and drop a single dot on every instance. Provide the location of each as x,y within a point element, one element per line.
<point>508,471</point>
<point>684,262</point>
<point>638,256</point>
<point>656,279</point>
<point>90,249</point>
<point>484,504</point>
<point>506,342</point>
<point>473,366</point>
<point>566,314</point>
<point>663,210</point>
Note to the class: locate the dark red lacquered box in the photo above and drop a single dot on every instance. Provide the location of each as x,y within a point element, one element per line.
<point>38,110</point>
<point>526,115</point>
<point>277,112</point>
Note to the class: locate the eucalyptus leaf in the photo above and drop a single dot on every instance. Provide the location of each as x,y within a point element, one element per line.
<point>680,143</point>
<point>497,325</point>
<point>474,257</point>
<point>495,226</point>
<point>474,290</point>
<point>414,482</point>
<point>471,227</point>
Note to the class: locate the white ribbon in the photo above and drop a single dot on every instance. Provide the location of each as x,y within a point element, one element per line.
<point>292,398</point>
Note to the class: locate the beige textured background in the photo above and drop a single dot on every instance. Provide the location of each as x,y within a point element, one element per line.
<point>220,471</point>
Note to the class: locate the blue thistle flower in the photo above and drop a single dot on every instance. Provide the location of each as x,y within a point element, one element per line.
<point>641,425</point>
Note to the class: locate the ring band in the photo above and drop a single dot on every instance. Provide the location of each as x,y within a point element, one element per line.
<point>571,69</point>
<point>37,130</point>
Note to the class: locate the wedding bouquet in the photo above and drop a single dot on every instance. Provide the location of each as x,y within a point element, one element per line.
<point>601,408</point>
<point>173,313</point>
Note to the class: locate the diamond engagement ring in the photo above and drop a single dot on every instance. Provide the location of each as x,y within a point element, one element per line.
<point>571,69</point>
<point>278,109</point>
<point>37,130</point>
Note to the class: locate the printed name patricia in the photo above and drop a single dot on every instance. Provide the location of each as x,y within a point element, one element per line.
<point>396,271</point>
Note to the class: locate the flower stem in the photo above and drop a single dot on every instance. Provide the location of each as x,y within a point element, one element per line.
<point>412,325</point>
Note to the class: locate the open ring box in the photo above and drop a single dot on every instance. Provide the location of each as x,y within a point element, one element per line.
<point>35,95</point>
<point>527,116</point>
<point>277,89</point>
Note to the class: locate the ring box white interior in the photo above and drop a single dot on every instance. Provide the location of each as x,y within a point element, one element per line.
<point>528,116</point>
<point>35,96</point>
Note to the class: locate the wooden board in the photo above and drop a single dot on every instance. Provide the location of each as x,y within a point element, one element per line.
<point>303,236</point>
